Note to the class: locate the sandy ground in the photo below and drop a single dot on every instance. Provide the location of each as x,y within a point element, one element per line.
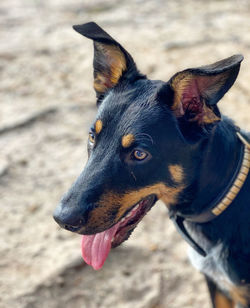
<point>47,104</point>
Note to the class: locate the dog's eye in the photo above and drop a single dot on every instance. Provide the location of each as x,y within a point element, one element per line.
<point>91,137</point>
<point>139,155</point>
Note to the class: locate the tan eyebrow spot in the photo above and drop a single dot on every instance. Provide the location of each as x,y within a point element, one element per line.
<point>176,172</point>
<point>98,126</point>
<point>127,140</point>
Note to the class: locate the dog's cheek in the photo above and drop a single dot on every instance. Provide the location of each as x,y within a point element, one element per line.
<point>102,217</point>
<point>177,173</point>
<point>112,206</point>
<point>125,201</point>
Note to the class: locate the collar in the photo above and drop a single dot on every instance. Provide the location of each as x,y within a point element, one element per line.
<point>221,203</point>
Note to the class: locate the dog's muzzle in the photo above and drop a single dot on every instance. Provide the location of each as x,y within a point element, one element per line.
<point>71,220</point>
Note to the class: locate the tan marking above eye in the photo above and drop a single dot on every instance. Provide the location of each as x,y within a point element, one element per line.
<point>176,172</point>
<point>98,126</point>
<point>127,140</point>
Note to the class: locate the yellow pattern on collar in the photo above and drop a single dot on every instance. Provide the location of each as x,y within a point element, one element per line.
<point>239,181</point>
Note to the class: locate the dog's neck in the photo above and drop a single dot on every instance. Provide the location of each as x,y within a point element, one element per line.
<point>218,159</point>
<point>221,156</point>
<point>219,163</point>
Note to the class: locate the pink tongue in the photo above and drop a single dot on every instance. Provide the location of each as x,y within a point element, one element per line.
<point>95,248</point>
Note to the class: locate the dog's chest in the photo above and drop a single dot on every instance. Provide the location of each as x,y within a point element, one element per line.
<point>210,265</point>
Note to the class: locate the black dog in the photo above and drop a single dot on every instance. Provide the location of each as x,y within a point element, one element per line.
<point>165,140</point>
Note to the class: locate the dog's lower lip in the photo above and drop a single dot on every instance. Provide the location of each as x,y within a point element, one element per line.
<point>131,219</point>
<point>149,198</point>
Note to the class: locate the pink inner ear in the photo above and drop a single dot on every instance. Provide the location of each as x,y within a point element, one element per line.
<point>191,97</point>
<point>107,81</point>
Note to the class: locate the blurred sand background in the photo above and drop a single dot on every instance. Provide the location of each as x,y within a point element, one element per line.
<point>47,104</point>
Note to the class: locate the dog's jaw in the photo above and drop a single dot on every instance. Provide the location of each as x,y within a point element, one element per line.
<point>96,247</point>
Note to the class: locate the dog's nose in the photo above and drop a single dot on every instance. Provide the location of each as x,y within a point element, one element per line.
<point>68,219</point>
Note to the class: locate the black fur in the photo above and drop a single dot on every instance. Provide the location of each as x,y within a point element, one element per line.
<point>208,153</point>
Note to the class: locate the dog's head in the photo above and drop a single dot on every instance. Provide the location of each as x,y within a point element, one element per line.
<point>141,144</point>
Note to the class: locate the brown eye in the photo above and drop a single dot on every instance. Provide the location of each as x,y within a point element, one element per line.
<point>91,137</point>
<point>139,155</point>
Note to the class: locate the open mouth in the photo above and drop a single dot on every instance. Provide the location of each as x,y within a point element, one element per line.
<point>96,247</point>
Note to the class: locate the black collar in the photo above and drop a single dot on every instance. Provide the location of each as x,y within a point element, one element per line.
<point>221,203</point>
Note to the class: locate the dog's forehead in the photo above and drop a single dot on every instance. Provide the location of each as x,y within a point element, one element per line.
<point>128,107</point>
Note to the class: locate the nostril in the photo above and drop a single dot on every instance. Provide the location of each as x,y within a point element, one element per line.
<point>69,219</point>
<point>72,228</point>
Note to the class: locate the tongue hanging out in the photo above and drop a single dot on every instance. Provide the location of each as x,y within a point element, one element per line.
<point>96,247</point>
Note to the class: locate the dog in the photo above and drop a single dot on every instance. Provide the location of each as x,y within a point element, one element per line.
<point>154,140</point>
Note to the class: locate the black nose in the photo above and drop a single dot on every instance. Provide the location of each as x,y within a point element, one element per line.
<point>68,219</point>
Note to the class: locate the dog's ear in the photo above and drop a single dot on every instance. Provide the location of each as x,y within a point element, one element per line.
<point>111,60</point>
<point>197,91</point>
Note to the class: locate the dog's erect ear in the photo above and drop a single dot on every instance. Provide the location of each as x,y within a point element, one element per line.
<point>111,60</point>
<point>196,91</point>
